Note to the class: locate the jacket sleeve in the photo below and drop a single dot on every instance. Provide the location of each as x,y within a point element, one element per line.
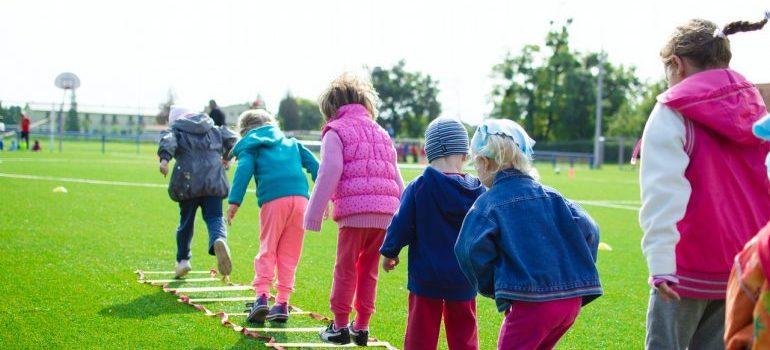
<point>243,174</point>
<point>665,191</point>
<point>587,226</point>
<point>167,145</point>
<point>229,138</point>
<point>309,161</point>
<point>476,251</point>
<point>329,174</point>
<point>402,229</point>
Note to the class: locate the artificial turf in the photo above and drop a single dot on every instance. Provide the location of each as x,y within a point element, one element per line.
<point>67,259</point>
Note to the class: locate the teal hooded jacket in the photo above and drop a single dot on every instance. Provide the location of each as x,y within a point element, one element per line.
<point>275,162</point>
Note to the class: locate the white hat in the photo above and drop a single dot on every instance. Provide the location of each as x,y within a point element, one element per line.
<point>176,113</point>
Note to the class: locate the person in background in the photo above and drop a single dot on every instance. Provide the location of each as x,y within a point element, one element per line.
<point>276,163</point>
<point>524,245</point>
<point>432,210</point>
<point>747,308</point>
<point>36,146</point>
<point>704,191</point>
<point>2,135</point>
<point>198,180</point>
<point>25,121</point>
<point>359,174</point>
<point>216,114</point>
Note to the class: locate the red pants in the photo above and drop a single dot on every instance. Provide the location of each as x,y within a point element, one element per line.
<point>539,326</point>
<point>355,274</point>
<point>424,323</point>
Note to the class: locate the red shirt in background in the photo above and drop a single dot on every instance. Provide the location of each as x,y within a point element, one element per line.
<point>24,124</point>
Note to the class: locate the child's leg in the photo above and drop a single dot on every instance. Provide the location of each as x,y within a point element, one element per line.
<point>290,248</point>
<point>671,325</point>
<point>711,329</point>
<point>272,221</point>
<point>367,271</point>
<point>212,215</point>
<point>529,325</point>
<point>460,323</point>
<point>424,323</point>
<point>349,243</point>
<point>184,233</point>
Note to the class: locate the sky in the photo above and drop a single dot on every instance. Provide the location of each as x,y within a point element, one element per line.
<point>128,54</point>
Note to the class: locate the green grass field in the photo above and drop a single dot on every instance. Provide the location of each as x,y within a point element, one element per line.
<point>67,260</point>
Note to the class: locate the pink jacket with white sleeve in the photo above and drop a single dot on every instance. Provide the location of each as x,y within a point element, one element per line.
<point>704,187</point>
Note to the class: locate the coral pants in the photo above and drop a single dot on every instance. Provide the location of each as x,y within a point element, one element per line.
<point>424,325</point>
<point>280,245</point>
<point>355,275</point>
<point>538,325</point>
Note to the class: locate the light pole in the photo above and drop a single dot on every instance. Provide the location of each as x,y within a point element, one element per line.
<point>65,81</point>
<point>598,139</point>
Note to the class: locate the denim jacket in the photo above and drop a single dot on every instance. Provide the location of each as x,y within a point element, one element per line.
<point>522,241</point>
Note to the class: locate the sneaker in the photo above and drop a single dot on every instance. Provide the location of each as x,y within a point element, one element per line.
<point>224,265</point>
<point>258,310</point>
<point>279,313</point>
<point>360,337</point>
<point>182,268</point>
<point>335,336</point>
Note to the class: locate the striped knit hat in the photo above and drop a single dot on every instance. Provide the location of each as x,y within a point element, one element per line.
<point>444,137</point>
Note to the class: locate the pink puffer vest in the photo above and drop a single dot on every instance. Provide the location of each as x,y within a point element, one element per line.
<point>730,200</point>
<point>368,183</point>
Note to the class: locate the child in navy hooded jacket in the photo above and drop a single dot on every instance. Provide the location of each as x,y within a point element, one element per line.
<point>432,210</point>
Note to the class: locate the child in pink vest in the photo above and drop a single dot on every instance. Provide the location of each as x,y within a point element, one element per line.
<point>359,174</point>
<point>703,185</point>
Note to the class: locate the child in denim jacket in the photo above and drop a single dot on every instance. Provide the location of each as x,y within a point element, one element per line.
<point>525,245</point>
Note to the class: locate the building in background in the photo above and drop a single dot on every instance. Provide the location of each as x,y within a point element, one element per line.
<point>98,120</point>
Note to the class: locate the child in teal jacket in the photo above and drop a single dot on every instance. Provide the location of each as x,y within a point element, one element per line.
<point>276,163</point>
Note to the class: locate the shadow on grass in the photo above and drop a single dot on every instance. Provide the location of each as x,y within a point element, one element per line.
<point>151,305</point>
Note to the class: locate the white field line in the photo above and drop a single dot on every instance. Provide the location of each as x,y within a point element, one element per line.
<point>625,205</point>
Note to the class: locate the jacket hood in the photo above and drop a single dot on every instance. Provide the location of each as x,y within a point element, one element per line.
<point>720,100</point>
<point>268,135</point>
<point>195,124</point>
<point>454,195</point>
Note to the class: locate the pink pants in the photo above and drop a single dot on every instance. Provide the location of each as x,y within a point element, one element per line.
<point>424,325</point>
<point>280,245</point>
<point>355,275</point>
<point>538,326</point>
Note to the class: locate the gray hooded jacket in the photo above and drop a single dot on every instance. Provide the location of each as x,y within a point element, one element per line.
<point>198,147</point>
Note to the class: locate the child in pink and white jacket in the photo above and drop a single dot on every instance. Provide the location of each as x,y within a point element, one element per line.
<point>703,185</point>
<point>358,172</point>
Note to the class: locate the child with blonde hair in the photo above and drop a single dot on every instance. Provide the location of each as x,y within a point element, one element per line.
<point>524,245</point>
<point>359,174</point>
<point>703,188</point>
<point>276,163</point>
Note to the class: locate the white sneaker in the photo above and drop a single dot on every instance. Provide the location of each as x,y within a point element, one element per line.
<point>182,268</point>
<point>224,264</point>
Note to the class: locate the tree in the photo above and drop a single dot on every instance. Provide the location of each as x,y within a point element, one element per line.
<point>309,115</point>
<point>552,91</point>
<point>288,113</point>
<point>72,123</point>
<point>409,99</point>
<point>165,108</point>
<point>633,115</point>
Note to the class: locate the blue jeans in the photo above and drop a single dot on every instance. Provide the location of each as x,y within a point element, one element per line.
<point>212,215</point>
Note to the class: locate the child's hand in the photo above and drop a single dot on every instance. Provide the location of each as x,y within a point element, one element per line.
<point>667,293</point>
<point>164,167</point>
<point>389,264</point>
<point>231,211</point>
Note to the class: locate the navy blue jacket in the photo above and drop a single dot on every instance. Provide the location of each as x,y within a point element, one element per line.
<point>523,241</point>
<point>432,211</point>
